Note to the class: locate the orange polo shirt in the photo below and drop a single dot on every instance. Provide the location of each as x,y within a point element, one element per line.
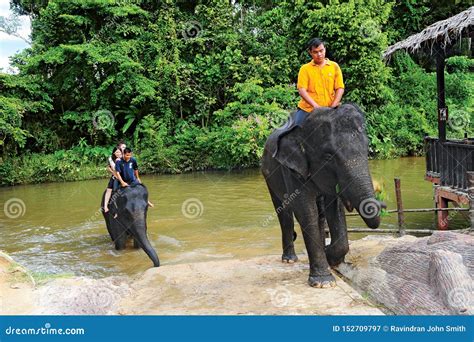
<point>321,83</point>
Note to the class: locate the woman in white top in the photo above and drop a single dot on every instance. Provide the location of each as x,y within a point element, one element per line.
<point>116,154</point>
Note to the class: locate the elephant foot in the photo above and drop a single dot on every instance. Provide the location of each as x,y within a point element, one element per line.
<point>335,256</point>
<point>334,261</point>
<point>289,258</point>
<point>322,281</point>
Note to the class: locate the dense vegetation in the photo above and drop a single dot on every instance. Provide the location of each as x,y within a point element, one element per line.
<point>193,85</point>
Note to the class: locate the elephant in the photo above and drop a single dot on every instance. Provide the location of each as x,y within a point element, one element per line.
<point>314,169</point>
<point>127,218</point>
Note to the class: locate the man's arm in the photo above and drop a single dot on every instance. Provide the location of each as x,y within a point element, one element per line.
<point>339,86</point>
<point>137,177</point>
<point>337,98</point>
<point>135,170</point>
<point>304,94</point>
<point>119,177</point>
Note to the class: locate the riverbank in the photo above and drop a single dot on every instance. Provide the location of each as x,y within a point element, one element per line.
<point>410,276</point>
<point>256,286</point>
<point>80,164</point>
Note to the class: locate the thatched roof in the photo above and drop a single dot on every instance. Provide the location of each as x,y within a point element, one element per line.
<point>444,32</point>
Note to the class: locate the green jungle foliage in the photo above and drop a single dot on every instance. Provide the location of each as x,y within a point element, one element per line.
<point>193,85</point>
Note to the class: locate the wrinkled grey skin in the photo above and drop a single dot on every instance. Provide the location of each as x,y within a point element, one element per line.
<point>330,148</point>
<point>127,218</point>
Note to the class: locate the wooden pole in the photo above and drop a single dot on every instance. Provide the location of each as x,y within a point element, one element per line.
<point>442,109</point>
<point>388,231</point>
<point>401,219</point>
<point>470,184</point>
<point>419,210</point>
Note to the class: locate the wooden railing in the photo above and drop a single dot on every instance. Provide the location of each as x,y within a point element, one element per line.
<point>447,162</point>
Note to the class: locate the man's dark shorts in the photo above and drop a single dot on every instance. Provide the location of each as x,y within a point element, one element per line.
<point>300,116</point>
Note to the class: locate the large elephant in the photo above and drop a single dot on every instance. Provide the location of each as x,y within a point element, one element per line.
<point>127,218</point>
<point>312,170</point>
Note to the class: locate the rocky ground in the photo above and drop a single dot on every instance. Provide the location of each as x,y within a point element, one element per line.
<point>408,275</point>
<point>415,276</point>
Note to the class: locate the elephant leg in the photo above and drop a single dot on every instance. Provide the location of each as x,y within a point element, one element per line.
<point>322,219</point>
<point>107,218</point>
<point>306,212</point>
<point>335,216</point>
<point>120,241</point>
<point>107,224</point>
<point>287,225</point>
<point>119,231</point>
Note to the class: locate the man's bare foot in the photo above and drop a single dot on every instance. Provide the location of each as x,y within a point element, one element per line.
<point>106,209</point>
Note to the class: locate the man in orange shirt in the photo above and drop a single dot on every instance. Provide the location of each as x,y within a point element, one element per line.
<point>320,82</point>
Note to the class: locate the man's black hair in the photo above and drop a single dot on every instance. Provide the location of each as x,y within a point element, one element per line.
<point>127,150</point>
<point>315,42</point>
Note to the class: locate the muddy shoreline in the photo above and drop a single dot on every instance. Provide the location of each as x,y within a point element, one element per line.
<point>382,275</point>
<point>255,286</point>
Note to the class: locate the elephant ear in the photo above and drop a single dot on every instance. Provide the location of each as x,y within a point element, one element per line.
<point>292,155</point>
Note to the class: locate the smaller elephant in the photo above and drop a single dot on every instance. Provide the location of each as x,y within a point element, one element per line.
<point>127,218</point>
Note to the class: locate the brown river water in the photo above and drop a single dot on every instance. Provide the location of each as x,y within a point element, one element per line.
<point>57,228</point>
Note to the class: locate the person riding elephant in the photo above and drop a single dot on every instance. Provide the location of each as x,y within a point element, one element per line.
<point>325,157</point>
<point>127,218</point>
<point>320,82</point>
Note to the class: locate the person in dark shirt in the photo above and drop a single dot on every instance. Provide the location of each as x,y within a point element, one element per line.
<point>127,169</point>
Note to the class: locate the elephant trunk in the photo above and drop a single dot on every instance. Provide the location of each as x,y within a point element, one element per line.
<point>140,235</point>
<point>358,193</point>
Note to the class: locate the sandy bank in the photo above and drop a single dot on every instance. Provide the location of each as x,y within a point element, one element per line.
<point>409,275</point>
<point>254,286</point>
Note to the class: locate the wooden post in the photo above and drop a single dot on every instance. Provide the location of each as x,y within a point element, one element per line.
<point>470,184</point>
<point>442,109</point>
<point>401,220</point>
<point>442,216</point>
